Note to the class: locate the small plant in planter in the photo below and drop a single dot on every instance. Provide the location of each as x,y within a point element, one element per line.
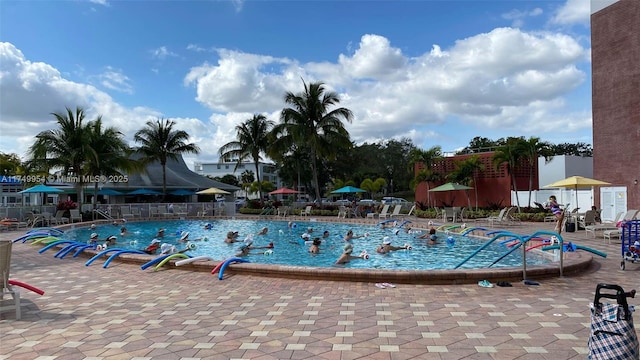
<point>66,206</point>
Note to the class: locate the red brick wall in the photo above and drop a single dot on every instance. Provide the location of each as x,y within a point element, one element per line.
<point>615,54</point>
<point>493,185</point>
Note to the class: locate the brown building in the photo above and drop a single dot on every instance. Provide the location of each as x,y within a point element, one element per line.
<point>492,185</point>
<point>615,54</point>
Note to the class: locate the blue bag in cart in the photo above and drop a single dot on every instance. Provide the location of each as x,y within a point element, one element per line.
<point>613,335</point>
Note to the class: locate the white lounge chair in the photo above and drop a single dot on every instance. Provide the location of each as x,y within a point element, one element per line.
<point>396,211</point>
<point>385,212</point>
<point>306,212</point>
<point>610,226</point>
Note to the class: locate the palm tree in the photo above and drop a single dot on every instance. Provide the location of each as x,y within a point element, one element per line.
<point>427,158</point>
<point>109,153</point>
<point>509,156</point>
<point>465,173</point>
<point>160,142</point>
<point>65,148</point>
<point>309,124</point>
<point>252,139</point>
<point>531,150</point>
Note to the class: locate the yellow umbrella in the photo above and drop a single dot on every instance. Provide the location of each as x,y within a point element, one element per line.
<point>212,191</point>
<point>575,182</point>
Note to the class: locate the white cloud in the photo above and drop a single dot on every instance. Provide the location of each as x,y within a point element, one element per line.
<point>114,79</point>
<point>573,12</point>
<point>100,2</point>
<point>162,53</point>
<point>518,17</point>
<point>237,4</point>
<point>31,91</point>
<point>505,79</point>
<point>196,48</point>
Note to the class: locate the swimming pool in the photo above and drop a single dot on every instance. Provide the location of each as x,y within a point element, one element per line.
<point>290,249</point>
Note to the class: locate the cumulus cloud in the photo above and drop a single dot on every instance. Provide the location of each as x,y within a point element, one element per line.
<point>573,12</point>
<point>503,79</point>
<point>30,91</point>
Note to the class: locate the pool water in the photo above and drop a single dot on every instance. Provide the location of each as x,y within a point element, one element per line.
<point>290,249</point>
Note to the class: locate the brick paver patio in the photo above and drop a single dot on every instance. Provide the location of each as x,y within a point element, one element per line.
<point>125,313</point>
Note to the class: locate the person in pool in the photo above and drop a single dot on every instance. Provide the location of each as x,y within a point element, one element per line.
<point>184,236</point>
<point>346,255</point>
<point>315,246</point>
<point>123,231</point>
<point>232,237</point>
<point>168,249</point>
<point>431,236</point>
<point>110,241</point>
<point>93,239</point>
<point>350,236</point>
<point>245,249</point>
<point>160,233</point>
<point>263,231</point>
<point>153,247</point>
<point>386,246</point>
<point>208,226</point>
<point>325,234</point>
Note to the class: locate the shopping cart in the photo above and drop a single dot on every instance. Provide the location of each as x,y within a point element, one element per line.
<point>612,333</point>
<point>630,242</point>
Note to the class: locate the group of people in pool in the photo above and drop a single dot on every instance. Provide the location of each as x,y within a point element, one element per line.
<point>247,245</point>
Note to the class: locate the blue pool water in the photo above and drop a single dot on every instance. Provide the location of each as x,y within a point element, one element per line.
<point>289,249</point>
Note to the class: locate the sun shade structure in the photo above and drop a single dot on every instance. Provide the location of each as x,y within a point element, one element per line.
<point>284,191</point>
<point>451,187</point>
<point>144,192</point>
<point>212,191</point>
<point>575,182</point>
<point>348,190</point>
<point>41,189</point>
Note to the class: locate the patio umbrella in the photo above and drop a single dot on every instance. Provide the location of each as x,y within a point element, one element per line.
<point>212,191</point>
<point>41,189</point>
<point>182,192</point>
<point>451,187</point>
<point>144,192</point>
<point>574,182</point>
<point>347,190</point>
<point>284,191</point>
<point>109,192</point>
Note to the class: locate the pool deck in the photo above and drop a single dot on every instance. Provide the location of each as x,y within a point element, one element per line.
<point>125,313</point>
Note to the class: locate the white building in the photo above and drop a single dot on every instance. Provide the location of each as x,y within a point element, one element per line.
<point>268,171</point>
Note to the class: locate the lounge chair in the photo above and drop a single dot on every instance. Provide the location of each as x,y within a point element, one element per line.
<point>489,219</point>
<point>385,212</point>
<point>506,219</point>
<point>5,287</point>
<point>588,219</point>
<point>396,211</point>
<point>59,218</point>
<point>75,215</point>
<point>630,215</point>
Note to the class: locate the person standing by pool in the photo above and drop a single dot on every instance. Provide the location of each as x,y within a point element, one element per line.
<point>346,255</point>
<point>556,211</point>
<point>386,246</point>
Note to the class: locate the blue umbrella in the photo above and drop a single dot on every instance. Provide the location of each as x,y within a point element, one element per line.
<point>144,192</point>
<point>182,192</point>
<point>109,192</point>
<point>347,190</point>
<point>40,189</point>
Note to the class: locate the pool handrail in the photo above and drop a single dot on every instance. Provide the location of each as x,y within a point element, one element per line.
<point>489,242</point>
<point>521,241</point>
<point>560,242</point>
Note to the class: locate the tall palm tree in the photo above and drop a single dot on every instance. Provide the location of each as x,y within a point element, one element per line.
<point>161,142</point>
<point>427,158</point>
<point>108,155</point>
<point>466,173</point>
<point>252,139</point>
<point>509,156</point>
<point>65,148</point>
<point>309,123</point>
<point>531,150</point>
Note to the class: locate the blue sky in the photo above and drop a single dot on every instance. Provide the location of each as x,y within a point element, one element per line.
<point>438,72</point>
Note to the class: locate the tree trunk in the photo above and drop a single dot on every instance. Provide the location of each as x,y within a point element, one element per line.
<point>164,181</point>
<point>259,182</point>
<point>515,189</point>
<point>314,170</point>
